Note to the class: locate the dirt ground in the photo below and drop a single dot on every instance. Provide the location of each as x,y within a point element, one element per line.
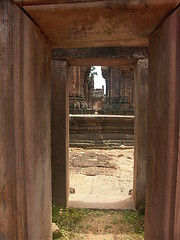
<point>84,224</point>
<point>101,174</point>
<point>108,226</point>
<point>104,174</point>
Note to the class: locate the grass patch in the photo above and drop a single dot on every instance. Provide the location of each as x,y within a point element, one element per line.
<point>135,220</point>
<point>67,219</point>
<point>83,222</point>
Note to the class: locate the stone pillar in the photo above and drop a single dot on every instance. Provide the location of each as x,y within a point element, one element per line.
<point>73,102</point>
<point>72,82</point>
<point>140,132</point>
<point>79,82</point>
<point>25,167</point>
<point>116,82</point>
<point>176,230</point>
<point>60,132</point>
<point>106,75</point>
<point>78,90</point>
<point>118,95</point>
<point>83,71</point>
<point>128,81</point>
<point>163,172</point>
<point>132,90</point>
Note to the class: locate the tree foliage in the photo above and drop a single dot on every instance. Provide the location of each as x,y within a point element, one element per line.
<point>92,71</point>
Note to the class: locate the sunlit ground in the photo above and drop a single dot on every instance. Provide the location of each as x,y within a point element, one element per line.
<point>99,224</point>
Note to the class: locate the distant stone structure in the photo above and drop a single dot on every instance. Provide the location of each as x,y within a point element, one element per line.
<point>119,97</point>
<point>119,90</point>
<point>101,131</point>
<point>80,90</point>
<point>98,99</point>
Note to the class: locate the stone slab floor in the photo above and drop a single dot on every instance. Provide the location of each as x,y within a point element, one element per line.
<point>101,178</point>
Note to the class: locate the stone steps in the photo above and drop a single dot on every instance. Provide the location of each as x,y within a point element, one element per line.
<point>101,144</point>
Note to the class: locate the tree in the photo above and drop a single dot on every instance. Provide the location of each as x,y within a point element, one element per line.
<point>92,71</point>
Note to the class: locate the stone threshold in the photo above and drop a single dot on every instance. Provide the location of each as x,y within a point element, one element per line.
<point>100,202</point>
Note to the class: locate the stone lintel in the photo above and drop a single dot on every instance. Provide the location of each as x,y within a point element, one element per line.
<point>104,55</point>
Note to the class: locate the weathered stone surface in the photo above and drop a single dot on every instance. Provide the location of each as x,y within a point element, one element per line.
<point>101,172</point>
<point>34,2</point>
<point>119,90</point>
<point>140,131</point>
<point>177,201</point>
<point>162,205</point>
<point>110,53</point>
<point>80,90</point>
<point>56,231</point>
<point>99,23</point>
<point>101,130</point>
<point>60,132</point>
<point>96,162</point>
<point>99,161</point>
<point>25,172</point>
<point>72,190</point>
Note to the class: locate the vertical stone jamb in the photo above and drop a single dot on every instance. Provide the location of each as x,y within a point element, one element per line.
<point>177,202</point>
<point>163,175</point>
<point>60,132</point>
<point>140,132</point>
<point>25,170</point>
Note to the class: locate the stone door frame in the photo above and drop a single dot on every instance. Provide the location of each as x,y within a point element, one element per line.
<point>133,56</point>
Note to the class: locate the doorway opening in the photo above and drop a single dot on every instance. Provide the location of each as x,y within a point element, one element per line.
<point>101,153</point>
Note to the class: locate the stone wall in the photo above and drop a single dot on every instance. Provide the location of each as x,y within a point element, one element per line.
<point>60,132</point>
<point>163,192</point>
<point>140,131</point>
<point>25,172</point>
<point>80,90</point>
<point>101,131</point>
<point>119,90</point>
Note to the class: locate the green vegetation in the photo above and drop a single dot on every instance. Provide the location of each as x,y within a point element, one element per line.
<point>67,219</point>
<point>135,220</point>
<point>92,71</point>
<point>80,223</point>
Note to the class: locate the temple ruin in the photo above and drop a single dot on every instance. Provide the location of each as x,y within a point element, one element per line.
<point>119,96</point>
<point>119,91</point>
<point>80,90</point>
<point>40,40</point>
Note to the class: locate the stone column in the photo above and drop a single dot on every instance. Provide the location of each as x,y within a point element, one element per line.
<point>60,132</point>
<point>163,172</point>
<point>79,82</point>
<point>106,75</point>
<point>72,82</point>
<point>78,90</point>
<point>25,163</point>
<point>132,89</point>
<point>118,99</point>
<point>73,103</point>
<point>83,71</point>
<point>140,132</point>
<point>116,83</point>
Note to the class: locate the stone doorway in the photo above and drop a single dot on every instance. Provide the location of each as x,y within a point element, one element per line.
<point>101,155</point>
<point>25,105</point>
<point>99,125</point>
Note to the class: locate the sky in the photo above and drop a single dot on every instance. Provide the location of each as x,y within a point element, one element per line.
<point>99,81</point>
